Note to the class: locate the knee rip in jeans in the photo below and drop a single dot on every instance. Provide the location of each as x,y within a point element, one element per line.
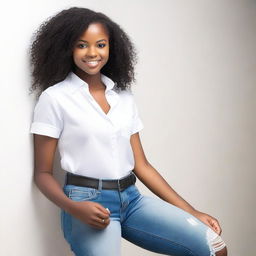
<point>215,242</point>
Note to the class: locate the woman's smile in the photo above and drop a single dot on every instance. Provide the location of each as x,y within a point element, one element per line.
<point>92,63</point>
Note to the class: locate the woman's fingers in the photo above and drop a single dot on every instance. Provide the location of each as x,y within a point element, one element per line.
<point>102,212</point>
<point>91,213</point>
<point>209,221</point>
<point>102,209</point>
<point>100,222</point>
<point>101,218</point>
<point>102,215</point>
<point>215,224</point>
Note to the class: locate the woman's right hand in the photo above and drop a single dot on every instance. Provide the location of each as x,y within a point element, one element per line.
<point>91,213</point>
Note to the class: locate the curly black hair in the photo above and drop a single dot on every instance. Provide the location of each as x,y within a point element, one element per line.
<point>51,51</point>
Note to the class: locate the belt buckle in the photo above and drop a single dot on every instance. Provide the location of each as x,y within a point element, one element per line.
<point>121,184</point>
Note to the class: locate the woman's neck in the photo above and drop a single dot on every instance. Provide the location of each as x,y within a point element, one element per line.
<point>93,81</point>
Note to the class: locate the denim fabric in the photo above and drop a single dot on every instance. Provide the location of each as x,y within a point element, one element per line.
<point>148,222</point>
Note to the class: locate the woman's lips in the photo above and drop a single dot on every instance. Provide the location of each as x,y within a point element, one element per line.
<point>92,64</point>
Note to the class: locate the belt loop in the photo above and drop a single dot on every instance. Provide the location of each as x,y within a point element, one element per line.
<point>118,184</point>
<point>134,177</point>
<point>100,184</point>
<point>66,179</point>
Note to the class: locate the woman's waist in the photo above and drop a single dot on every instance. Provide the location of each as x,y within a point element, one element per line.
<point>99,183</point>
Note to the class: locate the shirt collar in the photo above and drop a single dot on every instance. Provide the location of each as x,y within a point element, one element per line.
<point>75,82</point>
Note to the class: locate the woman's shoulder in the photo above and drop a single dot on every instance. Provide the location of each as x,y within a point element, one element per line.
<point>127,94</point>
<point>126,97</point>
<point>57,89</point>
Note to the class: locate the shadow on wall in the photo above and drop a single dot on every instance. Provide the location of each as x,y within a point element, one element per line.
<point>47,218</point>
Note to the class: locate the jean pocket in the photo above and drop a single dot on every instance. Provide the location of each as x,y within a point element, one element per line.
<point>77,193</point>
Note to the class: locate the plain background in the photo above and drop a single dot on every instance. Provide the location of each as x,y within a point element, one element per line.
<point>196,96</point>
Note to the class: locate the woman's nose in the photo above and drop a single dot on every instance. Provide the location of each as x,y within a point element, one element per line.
<point>92,52</point>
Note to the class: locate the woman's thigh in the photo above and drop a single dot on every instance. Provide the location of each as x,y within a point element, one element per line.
<point>158,226</point>
<point>83,239</point>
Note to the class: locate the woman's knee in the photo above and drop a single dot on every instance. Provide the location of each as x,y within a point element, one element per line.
<point>222,252</point>
<point>216,243</point>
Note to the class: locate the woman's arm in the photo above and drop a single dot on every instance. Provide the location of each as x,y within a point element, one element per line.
<point>44,151</point>
<point>89,212</point>
<point>149,176</point>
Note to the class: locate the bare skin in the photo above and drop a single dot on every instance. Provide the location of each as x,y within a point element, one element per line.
<point>88,212</point>
<point>223,252</point>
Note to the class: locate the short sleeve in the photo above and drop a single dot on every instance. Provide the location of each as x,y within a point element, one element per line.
<point>137,124</point>
<point>47,119</point>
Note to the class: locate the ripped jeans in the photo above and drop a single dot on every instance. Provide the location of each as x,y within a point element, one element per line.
<point>148,222</point>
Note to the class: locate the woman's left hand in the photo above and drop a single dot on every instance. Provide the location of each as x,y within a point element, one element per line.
<point>208,220</point>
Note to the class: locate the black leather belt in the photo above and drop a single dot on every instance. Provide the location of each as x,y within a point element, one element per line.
<point>119,184</point>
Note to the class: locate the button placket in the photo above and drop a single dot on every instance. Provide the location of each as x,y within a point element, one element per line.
<point>111,97</point>
<point>93,103</point>
<point>114,149</point>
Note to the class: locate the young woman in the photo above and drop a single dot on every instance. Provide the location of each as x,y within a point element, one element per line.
<point>83,65</point>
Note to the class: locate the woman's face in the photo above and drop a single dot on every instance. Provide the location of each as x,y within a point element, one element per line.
<point>91,51</point>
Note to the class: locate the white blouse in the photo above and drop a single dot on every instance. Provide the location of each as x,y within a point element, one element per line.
<point>91,142</point>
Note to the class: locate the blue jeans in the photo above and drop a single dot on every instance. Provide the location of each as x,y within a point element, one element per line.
<point>148,222</point>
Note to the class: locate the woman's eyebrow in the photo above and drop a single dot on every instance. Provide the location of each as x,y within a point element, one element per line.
<point>96,42</point>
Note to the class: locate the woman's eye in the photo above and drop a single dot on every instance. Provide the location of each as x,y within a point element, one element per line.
<point>82,45</point>
<point>101,45</point>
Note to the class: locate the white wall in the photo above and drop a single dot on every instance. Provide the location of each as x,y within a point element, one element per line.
<point>197,98</point>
